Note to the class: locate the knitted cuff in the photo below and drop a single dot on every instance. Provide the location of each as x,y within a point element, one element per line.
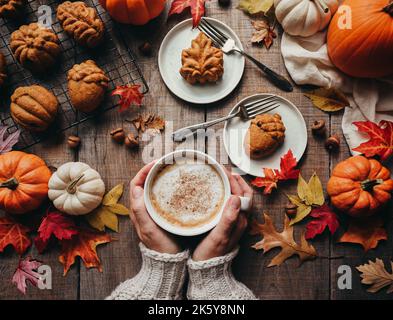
<point>213,279</point>
<point>161,277</point>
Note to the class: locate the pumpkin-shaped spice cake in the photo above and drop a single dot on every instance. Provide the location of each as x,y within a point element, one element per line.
<point>11,8</point>
<point>265,135</point>
<point>87,84</point>
<point>3,74</point>
<point>33,108</point>
<point>81,22</point>
<point>35,47</point>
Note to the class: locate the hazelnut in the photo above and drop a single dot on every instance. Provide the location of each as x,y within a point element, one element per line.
<point>145,49</point>
<point>73,142</point>
<point>319,127</point>
<point>291,209</point>
<point>131,141</point>
<point>224,3</point>
<point>332,143</point>
<point>118,135</point>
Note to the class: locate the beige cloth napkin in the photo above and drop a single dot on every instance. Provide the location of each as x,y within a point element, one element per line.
<point>307,61</point>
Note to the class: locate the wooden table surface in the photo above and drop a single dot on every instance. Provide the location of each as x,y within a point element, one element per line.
<point>121,259</point>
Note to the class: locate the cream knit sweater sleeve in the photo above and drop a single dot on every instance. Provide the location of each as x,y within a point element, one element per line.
<point>213,280</point>
<point>162,277</point>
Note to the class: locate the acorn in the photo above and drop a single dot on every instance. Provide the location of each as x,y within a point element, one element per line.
<point>291,209</point>
<point>145,49</point>
<point>318,128</point>
<point>118,135</point>
<point>131,141</point>
<point>73,142</point>
<point>332,143</point>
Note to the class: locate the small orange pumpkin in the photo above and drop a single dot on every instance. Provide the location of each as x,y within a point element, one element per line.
<point>23,182</point>
<point>360,186</point>
<point>136,12</point>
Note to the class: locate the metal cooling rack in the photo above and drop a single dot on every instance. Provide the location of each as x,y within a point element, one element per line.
<point>113,56</point>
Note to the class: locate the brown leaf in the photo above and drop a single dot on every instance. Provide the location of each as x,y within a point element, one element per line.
<point>366,232</point>
<point>263,33</point>
<point>375,274</point>
<point>328,100</point>
<point>150,122</point>
<point>284,240</point>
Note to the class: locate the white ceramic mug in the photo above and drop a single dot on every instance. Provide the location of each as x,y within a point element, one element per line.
<point>170,158</point>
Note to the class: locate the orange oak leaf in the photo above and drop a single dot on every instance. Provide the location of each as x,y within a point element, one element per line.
<point>129,94</point>
<point>197,8</point>
<point>14,234</point>
<point>83,245</point>
<point>287,171</point>
<point>381,139</point>
<point>263,33</point>
<point>366,232</point>
<point>284,240</point>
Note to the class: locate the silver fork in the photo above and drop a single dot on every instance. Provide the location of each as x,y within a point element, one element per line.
<point>246,112</point>
<point>227,45</point>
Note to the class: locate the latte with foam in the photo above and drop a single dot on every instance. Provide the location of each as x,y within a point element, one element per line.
<point>187,194</point>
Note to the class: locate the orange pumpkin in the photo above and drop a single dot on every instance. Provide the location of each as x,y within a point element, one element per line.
<point>23,182</point>
<point>360,186</point>
<point>366,50</point>
<point>136,12</point>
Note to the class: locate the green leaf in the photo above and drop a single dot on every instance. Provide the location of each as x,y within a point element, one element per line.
<point>315,186</point>
<point>255,6</point>
<point>302,211</point>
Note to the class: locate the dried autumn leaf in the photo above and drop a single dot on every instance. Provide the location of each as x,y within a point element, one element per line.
<point>14,234</point>
<point>26,271</point>
<point>375,274</point>
<point>325,217</point>
<point>263,33</point>
<point>268,182</point>
<point>381,139</point>
<point>106,214</point>
<point>151,122</point>
<point>83,245</point>
<point>366,232</point>
<point>129,94</point>
<point>255,6</point>
<point>329,100</point>
<point>6,144</point>
<point>197,8</point>
<point>57,225</point>
<point>316,188</point>
<point>284,240</point>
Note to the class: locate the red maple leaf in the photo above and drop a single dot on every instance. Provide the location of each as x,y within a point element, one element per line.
<point>197,8</point>
<point>54,224</point>
<point>26,271</point>
<point>324,218</point>
<point>14,234</point>
<point>129,94</point>
<point>287,171</point>
<point>381,139</point>
<point>83,245</point>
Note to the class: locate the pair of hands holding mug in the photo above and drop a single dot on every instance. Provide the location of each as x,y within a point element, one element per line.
<point>220,241</point>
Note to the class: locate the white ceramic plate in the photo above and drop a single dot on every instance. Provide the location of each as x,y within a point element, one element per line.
<point>169,63</point>
<point>295,137</point>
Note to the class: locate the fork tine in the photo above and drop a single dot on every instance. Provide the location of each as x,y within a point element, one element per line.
<point>250,104</point>
<point>264,105</point>
<point>213,37</point>
<point>253,114</point>
<point>214,29</point>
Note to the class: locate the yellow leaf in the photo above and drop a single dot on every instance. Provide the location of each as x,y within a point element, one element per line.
<point>304,192</point>
<point>113,196</point>
<point>315,186</point>
<point>119,209</point>
<point>329,100</point>
<point>95,221</point>
<point>295,200</point>
<point>302,211</point>
<point>255,6</point>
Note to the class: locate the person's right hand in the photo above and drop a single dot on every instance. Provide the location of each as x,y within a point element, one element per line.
<point>225,236</point>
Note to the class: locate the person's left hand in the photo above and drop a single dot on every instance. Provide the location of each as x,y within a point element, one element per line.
<point>150,234</point>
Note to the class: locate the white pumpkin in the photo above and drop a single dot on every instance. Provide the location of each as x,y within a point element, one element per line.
<point>76,189</point>
<point>304,17</point>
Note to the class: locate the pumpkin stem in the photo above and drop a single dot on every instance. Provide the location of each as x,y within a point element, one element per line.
<point>368,185</point>
<point>72,186</point>
<point>323,5</point>
<point>10,184</point>
<point>389,8</point>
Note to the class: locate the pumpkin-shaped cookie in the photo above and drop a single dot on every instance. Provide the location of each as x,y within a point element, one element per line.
<point>34,107</point>
<point>35,48</point>
<point>11,8</point>
<point>202,62</point>
<point>3,74</point>
<point>81,22</point>
<point>86,85</point>
<point>265,135</point>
